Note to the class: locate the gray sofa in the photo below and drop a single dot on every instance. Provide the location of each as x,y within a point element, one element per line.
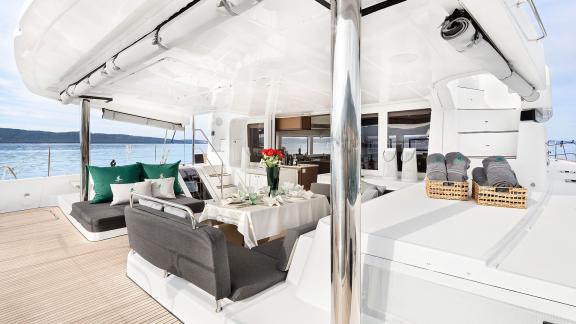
<point>102,217</point>
<point>203,257</point>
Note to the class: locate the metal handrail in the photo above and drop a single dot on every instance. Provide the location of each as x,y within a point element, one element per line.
<point>536,16</point>
<point>10,170</point>
<point>165,203</point>
<point>562,145</point>
<point>212,168</point>
<point>221,161</point>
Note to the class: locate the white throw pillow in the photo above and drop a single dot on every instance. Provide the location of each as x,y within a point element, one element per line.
<point>162,188</point>
<point>121,191</point>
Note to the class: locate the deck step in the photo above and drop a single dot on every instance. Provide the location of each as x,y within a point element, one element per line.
<point>227,186</point>
<point>214,175</point>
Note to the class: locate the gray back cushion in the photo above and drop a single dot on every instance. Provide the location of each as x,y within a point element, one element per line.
<point>321,189</point>
<point>369,194</point>
<point>170,243</point>
<point>289,244</point>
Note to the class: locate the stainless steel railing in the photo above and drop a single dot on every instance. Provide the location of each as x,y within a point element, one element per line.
<point>537,17</point>
<point>562,150</point>
<point>165,203</point>
<point>219,157</point>
<point>8,169</point>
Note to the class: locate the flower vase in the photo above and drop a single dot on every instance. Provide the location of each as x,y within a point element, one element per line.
<point>273,176</point>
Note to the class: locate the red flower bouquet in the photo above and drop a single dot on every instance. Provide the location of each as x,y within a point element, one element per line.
<point>271,157</point>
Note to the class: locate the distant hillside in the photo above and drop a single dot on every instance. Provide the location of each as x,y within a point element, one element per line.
<point>20,136</point>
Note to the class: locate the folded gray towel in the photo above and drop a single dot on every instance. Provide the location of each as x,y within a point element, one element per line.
<point>457,166</point>
<point>479,176</point>
<point>498,172</point>
<point>490,159</point>
<point>436,167</point>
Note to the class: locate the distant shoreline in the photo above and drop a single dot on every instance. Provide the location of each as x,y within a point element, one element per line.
<point>21,136</point>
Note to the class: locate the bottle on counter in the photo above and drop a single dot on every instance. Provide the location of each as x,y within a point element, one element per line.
<point>295,160</point>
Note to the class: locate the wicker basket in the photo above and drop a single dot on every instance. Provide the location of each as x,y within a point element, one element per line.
<point>447,190</point>
<point>509,197</point>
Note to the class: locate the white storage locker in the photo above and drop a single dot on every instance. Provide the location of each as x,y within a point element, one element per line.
<point>487,144</point>
<point>488,120</point>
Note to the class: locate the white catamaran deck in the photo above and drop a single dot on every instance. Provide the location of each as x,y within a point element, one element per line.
<point>50,273</point>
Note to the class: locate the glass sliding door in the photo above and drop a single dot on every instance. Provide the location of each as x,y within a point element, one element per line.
<point>255,141</point>
<point>410,129</point>
<point>369,142</point>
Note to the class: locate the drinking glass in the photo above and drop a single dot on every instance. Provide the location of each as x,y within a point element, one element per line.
<point>253,197</point>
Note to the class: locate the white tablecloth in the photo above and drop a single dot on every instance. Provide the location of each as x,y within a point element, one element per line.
<point>258,222</point>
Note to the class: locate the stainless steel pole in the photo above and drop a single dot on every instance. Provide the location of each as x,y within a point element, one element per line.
<point>84,148</point>
<point>49,159</point>
<point>193,139</point>
<point>345,161</point>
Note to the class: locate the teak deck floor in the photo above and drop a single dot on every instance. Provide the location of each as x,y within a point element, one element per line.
<point>49,273</point>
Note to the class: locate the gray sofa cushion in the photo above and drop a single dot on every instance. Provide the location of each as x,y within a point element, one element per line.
<point>321,189</point>
<point>289,244</point>
<point>98,217</point>
<point>364,186</point>
<point>169,242</point>
<point>282,249</point>
<point>196,205</point>
<point>251,272</point>
<point>103,217</point>
<point>201,256</point>
<point>271,248</point>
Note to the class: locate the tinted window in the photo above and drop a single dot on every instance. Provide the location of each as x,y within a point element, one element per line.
<point>369,142</point>
<point>410,128</point>
<point>255,141</point>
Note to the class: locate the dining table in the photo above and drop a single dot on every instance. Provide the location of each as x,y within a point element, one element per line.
<point>260,221</point>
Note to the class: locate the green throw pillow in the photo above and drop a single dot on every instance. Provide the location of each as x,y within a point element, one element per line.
<point>103,177</point>
<point>157,171</point>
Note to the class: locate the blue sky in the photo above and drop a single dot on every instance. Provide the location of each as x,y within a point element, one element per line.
<point>21,109</point>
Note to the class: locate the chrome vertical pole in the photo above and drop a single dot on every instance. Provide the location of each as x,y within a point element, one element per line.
<point>193,139</point>
<point>345,161</point>
<point>49,159</point>
<point>84,148</point>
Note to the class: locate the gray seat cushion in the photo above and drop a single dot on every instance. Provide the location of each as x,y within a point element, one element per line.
<point>98,217</point>
<point>271,248</point>
<point>282,249</point>
<point>251,272</point>
<point>103,217</point>
<point>196,205</point>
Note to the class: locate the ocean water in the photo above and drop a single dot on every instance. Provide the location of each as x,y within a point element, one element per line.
<point>31,160</point>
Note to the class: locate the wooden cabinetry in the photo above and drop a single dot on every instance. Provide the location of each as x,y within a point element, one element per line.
<point>294,123</point>
<point>305,173</point>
